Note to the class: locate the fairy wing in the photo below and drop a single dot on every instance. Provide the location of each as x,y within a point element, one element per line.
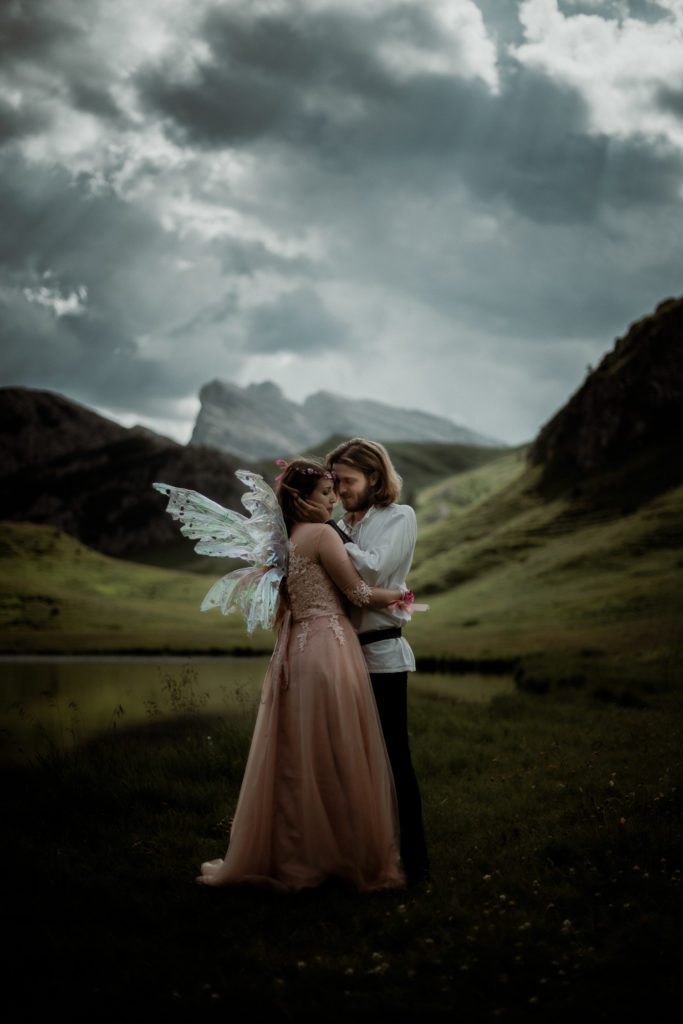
<point>253,591</point>
<point>260,538</point>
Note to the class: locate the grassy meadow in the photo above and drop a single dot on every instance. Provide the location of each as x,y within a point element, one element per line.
<point>553,815</point>
<point>555,833</point>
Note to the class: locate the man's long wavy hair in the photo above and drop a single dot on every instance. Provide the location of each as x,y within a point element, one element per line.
<point>372,459</point>
<point>295,483</point>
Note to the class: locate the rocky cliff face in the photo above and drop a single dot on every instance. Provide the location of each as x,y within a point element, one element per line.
<point>67,466</point>
<point>628,410</point>
<point>259,422</point>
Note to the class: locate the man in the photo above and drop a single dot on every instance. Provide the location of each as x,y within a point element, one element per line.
<point>380,540</point>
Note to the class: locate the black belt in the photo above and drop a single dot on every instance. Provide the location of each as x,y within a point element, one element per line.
<point>373,635</point>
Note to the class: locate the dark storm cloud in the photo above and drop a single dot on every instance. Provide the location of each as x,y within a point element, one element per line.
<point>261,74</point>
<point>95,99</point>
<point>30,28</point>
<point>322,197</point>
<point>58,236</point>
<point>648,11</point>
<point>671,100</point>
<point>295,322</point>
<point>18,121</point>
<point>55,223</point>
<point>530,144</point>
<point>501,18</point>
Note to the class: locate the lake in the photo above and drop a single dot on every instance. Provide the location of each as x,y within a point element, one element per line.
<point>51,701</point>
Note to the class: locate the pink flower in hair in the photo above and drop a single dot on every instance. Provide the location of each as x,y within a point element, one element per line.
<point>284,464</point>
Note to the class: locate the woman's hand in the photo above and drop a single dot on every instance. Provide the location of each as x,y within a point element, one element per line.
<point>311,511</point>
<point>406,603</point>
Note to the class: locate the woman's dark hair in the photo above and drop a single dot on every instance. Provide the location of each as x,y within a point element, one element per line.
<point>298,481</point>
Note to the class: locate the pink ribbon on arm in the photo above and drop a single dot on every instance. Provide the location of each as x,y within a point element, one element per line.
<point>408,604</point>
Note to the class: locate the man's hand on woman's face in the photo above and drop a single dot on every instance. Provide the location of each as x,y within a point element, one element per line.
<point>311,511</point>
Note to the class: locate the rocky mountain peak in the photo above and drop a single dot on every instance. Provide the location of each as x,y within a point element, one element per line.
<point>258,421</point>
<point>629,406</point>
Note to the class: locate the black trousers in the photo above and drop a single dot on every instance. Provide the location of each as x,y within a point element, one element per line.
<point>391,696</point>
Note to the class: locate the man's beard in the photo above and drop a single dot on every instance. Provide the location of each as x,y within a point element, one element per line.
<point>362,502</point>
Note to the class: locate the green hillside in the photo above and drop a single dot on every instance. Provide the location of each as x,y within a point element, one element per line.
<point>58,595</point>
<point>573,589</point>
<point>565,592</point>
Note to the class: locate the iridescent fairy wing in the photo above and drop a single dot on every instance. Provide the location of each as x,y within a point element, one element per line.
<point>253,591</point>
<point>260,539</point>
<point>266,524</point>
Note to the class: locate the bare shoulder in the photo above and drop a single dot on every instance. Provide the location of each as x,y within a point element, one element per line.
<point>308,531</point>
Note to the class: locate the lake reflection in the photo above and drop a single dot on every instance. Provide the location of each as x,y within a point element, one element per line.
<point>60,702</point>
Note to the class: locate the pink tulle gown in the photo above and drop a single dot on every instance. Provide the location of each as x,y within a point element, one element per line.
<point>317,799</point>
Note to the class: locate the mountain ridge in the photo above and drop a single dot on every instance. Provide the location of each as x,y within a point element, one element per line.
<point>258,421</point>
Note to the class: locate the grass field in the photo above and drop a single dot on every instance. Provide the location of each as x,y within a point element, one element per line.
<point>556,837</point>
<point>553,815</point>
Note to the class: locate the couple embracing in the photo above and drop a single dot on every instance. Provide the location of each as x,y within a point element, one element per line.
<point>329,790</point>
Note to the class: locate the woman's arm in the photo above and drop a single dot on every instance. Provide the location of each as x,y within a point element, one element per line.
<point>340,568</point>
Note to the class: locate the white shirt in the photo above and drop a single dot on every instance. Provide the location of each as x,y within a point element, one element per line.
<point>381,548</point>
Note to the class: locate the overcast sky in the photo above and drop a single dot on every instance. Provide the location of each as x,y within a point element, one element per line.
<point>447,205</point>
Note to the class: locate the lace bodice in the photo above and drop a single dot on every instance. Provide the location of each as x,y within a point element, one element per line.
<point>311,591</point>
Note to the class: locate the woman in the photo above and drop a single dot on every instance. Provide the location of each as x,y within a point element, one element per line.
<point>317,799</point>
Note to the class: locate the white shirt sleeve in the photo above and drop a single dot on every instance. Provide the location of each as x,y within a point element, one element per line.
<point>388,554</point>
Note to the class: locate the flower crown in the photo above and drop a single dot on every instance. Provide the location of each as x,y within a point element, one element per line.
<point>310,470</point>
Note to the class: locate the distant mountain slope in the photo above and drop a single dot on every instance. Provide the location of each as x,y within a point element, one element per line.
<point>258,421</point>
<point>39,426</point>
<point>67,466</point>
<point>619,438</point>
